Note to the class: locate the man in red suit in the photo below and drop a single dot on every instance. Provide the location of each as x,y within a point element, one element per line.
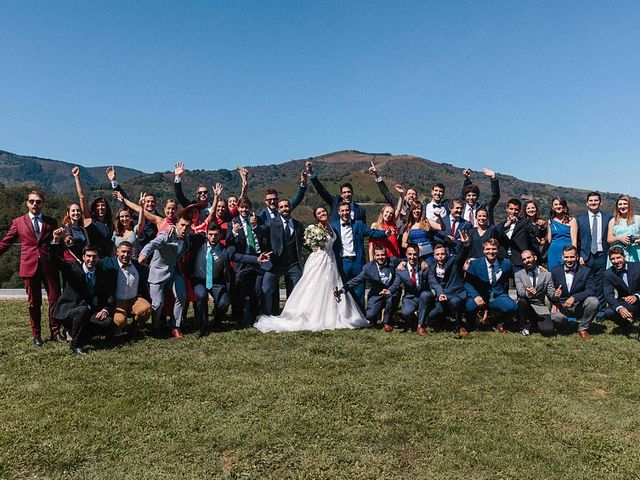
<point>34,231</point>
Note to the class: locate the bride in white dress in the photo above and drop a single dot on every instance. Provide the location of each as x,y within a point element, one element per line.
<point>311,305</point>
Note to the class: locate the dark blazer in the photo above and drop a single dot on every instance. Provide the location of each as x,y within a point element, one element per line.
<point>584,233</point>
<point>524,238</point>
<point>491,204</point>
<point>334,200</point>
<point>276,242</point>
<point>33,251</point>
<point>239,243</point>
<point>403,280</point>
<point>612,284</point>
<point>582,287</point>
<point>453,282</point>
<point>111,264</point>
<point>443,235</point>
<point>476,281</point>
<point>75,291</point>
<point>360,230</point>
<point>264,215</point>
<point>370,274</point>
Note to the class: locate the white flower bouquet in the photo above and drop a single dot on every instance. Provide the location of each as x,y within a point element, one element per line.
<point>315,237</point>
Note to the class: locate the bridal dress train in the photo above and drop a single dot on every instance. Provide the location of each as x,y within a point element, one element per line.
<point>312,305</point>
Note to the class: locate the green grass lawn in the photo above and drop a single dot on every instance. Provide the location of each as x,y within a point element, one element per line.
<point>342,404</point>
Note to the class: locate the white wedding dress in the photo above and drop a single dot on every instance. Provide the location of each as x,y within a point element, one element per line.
<point>312,305</point>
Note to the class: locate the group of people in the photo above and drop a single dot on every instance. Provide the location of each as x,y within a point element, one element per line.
<point>431,260</point>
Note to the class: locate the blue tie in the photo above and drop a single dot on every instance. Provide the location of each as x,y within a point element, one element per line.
<point>210,266</point>
<point>91,283</point>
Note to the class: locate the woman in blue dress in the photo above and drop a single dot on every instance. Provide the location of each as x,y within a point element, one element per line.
<point>624,230</point>
<point>420,231</point>
<point>562,231</point>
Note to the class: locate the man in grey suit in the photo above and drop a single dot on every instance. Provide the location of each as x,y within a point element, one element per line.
<point>533,284</point>
<point>165,250</point>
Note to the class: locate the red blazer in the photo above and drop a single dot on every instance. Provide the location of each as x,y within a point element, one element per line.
<point>32,250</point>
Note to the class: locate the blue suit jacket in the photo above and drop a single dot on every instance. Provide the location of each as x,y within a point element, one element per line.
<point>476,281</point>
<point>276,242</point>
<point>265,217</point>
<point>582,287</point>
<point>584,233</point>
<point>453,281</point>
<point>360,230</point>
<point>443,235</point>
<point>613,283</point>
<point>404,280</point>
<point>370,273</point>
<point>334,200</point>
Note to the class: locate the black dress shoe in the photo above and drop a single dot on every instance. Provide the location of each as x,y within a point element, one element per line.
<point>37,341</point>
<point>59,338</point>
<point>78,350</point>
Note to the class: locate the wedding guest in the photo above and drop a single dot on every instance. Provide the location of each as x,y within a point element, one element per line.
<point>380,273</point>
<point>34,232</point>
<point>98,218</point>
<point>420,231</point>
<point>481,232</point>
<point>574,295</point>
<point>452,225</point>
<point>417,298</point>
<point>517,234</point>
<point>407,197</point>
<point>76,236</point>
<point>437,207</point>
<point>624,230</point>
<point>161,223</point>
<point>622,289</point>
<point>271,200</point>
<point>124,230</point>
<point>562,231</point>
<point>531,212</point>
<point>592,243</point>
<point>446,279</point>
<point>386,221</point>
<point>487,285</point>
<point>346,196</point>
<point>470,194</point>
<point>533,285</point>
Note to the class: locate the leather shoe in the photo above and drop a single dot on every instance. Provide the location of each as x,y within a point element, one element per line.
<point>501,329</point>
<point>37,342</point>
<point>421,331</point>
<point>78,351</point>
<point>176,333</point>
<point>463,332</point>
<point>584,334</point>
<point>387,327</point>
<point>59,338</point>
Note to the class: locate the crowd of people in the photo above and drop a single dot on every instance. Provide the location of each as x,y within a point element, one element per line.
<point>434,263</point>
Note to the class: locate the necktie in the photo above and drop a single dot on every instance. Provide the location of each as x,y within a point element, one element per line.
<point>287,228</point>
<point>594,235</point>
<point>533,278</point>
<point>251,240</point>
<point>90,282</point>
<point>453,227</point>
<point>472,217</point>
<point>210,266</point>
<point>492,273</point>
<point>623,276</point>
<point>413,277</point>
<point>36,226</point>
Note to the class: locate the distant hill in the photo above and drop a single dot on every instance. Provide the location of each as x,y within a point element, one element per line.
<point>52,175</point>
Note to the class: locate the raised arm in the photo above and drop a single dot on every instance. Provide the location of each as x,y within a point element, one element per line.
<point>573,226</point>
<point>178,171</point>
<point>82,199</point>
<point>384,190</point>
<point>495,193</point>
<point>157,219</point>
<point>139,229</point>
<point>467,181</point>
<point>244,178</point>
<point>324,194</point>
<point>217,190</point>
<point>302,188</point>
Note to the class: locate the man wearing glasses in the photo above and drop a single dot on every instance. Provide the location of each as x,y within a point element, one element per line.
<point>34,231</point>
<point>271,201</point>
<point>202,192</point>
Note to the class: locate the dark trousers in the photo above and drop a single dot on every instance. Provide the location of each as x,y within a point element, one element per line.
<point>351,268</point>
<point>598,264</point>
<point>614,316</point>
<point>453,305</point>
<point>76,322</point>
<point>503,305</point>
<point>33,285</point>
<point>220,299</point>
<point>526,313</point>
<point>417,303</point>
<point>270,290</point>
<point>245,303</point>
<point>375,304</point>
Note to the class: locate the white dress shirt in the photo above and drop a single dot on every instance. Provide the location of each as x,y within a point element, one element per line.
<point>346,234</point>
<point>127,283</point>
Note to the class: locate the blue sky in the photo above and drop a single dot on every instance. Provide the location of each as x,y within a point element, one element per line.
<point>546,91</point>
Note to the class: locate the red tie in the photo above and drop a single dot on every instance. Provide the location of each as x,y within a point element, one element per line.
<point>453,227</point>
<point>413,277</point>
<point>472,217</point>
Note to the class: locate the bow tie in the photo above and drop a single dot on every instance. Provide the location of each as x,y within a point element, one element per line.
<point>621,272</point>
<point>437,205</point>
<point>570,270</point>
<point>346,224</point>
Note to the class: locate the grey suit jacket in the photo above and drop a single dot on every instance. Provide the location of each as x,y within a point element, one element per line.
<point>164,252</point>
<point>544,288</point>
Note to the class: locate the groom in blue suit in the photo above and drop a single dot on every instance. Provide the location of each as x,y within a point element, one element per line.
<point>592,242</point>
<point>349,246</point>
<point>487,284</point>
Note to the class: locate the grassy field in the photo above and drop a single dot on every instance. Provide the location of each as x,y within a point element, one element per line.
<point>343,404</point>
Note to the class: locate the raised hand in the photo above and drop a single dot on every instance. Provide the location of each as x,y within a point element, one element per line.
<point>58,233</point>
<point>309,166</point>
<point>141,200</point>
<point>373,170</point>
<point>118,196</point>
<point>304,176</point>
<point>399,188</point>
<point>178,170</point>
<point>466,172</point>
<point>217,189</point>
<point>111,174</point>
<point>489,173</point>
<point>75,171</point>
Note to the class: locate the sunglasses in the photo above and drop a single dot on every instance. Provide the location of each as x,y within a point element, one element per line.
<point>35,202</point>
<point>203,192</point>
<point>271,200</point>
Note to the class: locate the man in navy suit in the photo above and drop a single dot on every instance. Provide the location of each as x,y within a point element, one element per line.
<point>346,196</point>
<point>417,294</point>
<point>380,273</point>
<point>575,292</point>
<point>470,194</point>
<point>592,242</point>
<point>285,241</point>
<point>453,224</point>
<point>487,284</point>
<point>517,234</point>
<point>446,280</point>
<point>349,246</point>
<point>271,201</point>
<point>622,278</point>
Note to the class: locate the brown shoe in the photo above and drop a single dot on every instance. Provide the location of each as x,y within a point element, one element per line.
<point>501,329</point>
<point>584,334</point>
<point>387,327</point>
<point>463,332</point>
<point>176,333</point>
<point>421,331</point>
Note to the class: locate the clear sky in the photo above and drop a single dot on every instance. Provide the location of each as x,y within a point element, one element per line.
<point>545,90</point>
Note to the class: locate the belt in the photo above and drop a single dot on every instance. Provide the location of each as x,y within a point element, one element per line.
<point>349,257</point>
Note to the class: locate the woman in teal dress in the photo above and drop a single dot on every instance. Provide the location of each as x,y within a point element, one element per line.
<point>624,230</point>
<point>562,231</point>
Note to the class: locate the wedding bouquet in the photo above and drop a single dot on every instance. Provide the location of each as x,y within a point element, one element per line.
<point>315,237</point>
